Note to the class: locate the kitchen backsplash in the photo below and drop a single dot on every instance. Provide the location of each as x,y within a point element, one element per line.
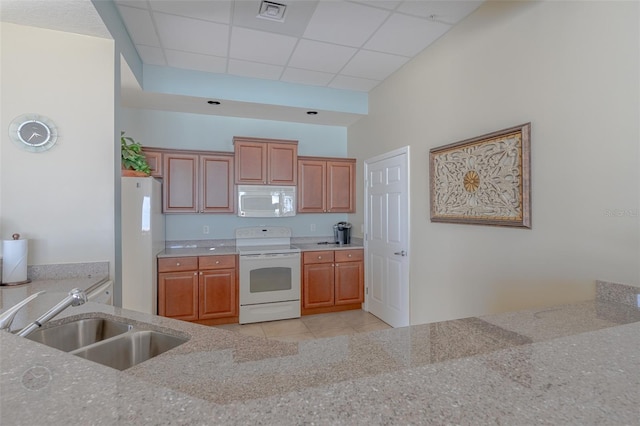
<point>67,270</point>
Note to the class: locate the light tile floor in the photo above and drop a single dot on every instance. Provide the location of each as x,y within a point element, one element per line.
<point>312,326</point>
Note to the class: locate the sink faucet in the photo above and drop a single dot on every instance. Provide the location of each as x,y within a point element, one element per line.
<point>76,297</point>
<point>6,318</point>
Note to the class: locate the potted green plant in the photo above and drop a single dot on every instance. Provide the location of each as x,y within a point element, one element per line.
<point>134,162</point>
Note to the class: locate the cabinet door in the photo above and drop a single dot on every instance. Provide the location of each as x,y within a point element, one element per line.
<point>251,162</point>
<point>178,295</point>
<point>154,159</point>
<point>180,183</point>
<point>282,163</point>
<point>318,283</point>
<point>218,294</point>
<point>349,283</point>
<point>312,175</point>
<point>341,186</point>
<point>216,184</point>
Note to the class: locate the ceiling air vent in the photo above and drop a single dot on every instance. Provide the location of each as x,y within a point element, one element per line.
<point>272,11</point>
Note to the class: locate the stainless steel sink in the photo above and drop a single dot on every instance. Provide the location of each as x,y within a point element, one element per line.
<point>76,334</point>
<point>109,342</point>
<point>130,349</point>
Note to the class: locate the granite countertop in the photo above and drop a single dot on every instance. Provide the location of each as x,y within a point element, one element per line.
<point>304,244</point>
<point>572,364</point>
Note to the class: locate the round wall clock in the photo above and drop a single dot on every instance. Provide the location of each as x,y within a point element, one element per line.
<point>32,132</point>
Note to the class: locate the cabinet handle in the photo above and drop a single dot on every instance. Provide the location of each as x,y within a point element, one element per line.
<point>177,263</point>
<point>195,273</point>
<point>217,262</point>
<point>349,256</point>
<point>319,257</point>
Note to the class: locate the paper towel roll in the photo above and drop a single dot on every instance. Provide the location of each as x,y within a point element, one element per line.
<point>14,261</point>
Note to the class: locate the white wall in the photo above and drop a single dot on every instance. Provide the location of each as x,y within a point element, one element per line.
<point>165,129</point>
<point>571,69</point>
<point>62,199</point>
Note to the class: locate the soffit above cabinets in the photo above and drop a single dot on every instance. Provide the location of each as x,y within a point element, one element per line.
<point>351,45</point>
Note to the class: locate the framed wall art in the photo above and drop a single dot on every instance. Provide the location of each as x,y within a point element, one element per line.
<point>484,180</point>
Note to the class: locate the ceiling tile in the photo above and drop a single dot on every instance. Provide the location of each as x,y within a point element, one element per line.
<point>254,70</point>
<point>348,24</point>
<point>194,61</point>
<point>139,26</point>
<point>151,55</point>
<point>259,46</point>
<point>385,4</point>
<point>215,11</point>
<point>353,83</point>
<point>373,65</point>
<point>192,35</point>
<point>445,11</point>
<point>319,56</point>
<point>406,35</point>
<point>314,78</point>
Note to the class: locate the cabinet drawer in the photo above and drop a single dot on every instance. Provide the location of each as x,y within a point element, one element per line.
<point>317,256</point>
<point>218,262</point>
<point>170,264</point>
<point>349,255</point>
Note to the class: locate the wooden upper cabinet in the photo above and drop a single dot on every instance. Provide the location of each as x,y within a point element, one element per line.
<point>180,183</point>
<point>282,162</point>
<point>265,161</point>
<point>198,183</point>
<point>216,184</point>
<point>341,184</point>
<point>251,162</point>
<point>154,159</point>
<point>312,186</point>
<point>326,185</point>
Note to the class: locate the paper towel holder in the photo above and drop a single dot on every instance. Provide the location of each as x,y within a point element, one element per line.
<point>15,236</point>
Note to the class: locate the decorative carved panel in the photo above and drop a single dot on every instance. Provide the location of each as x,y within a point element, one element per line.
<point>484,180</point>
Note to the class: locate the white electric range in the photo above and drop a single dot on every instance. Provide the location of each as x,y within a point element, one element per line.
<point>269,274</point>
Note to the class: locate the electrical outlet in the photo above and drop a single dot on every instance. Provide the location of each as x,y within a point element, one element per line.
<point>205,229</point>
<point>313,227</point>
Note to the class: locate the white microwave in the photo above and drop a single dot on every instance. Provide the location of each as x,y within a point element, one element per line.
<point>266,201</point>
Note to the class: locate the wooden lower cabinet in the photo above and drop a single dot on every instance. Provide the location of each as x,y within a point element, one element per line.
<point>207,293</point>
<point>178,295</point>
<point>332,281</point>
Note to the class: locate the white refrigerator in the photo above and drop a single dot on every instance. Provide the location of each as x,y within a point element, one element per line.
<point>143,237</point>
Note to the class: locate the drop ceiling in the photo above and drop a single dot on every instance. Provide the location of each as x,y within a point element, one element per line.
<point>350,45</point>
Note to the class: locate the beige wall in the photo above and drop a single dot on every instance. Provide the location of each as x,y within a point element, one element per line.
<point>62,200</point>
<point>571,69</point>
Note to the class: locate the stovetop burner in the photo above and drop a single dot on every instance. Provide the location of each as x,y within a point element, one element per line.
<point>264,240</point>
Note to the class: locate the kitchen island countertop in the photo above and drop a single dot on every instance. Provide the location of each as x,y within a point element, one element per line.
<point>571,364</point>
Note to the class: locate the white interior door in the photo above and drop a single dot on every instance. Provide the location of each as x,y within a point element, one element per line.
<point>387,237</point>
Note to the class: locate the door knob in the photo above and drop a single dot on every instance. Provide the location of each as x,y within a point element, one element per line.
<point>401,253</point>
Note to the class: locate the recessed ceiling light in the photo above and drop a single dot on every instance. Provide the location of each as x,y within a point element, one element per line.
<point>312,112</point>
<point>213,102</point>
<point>272,11</point>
